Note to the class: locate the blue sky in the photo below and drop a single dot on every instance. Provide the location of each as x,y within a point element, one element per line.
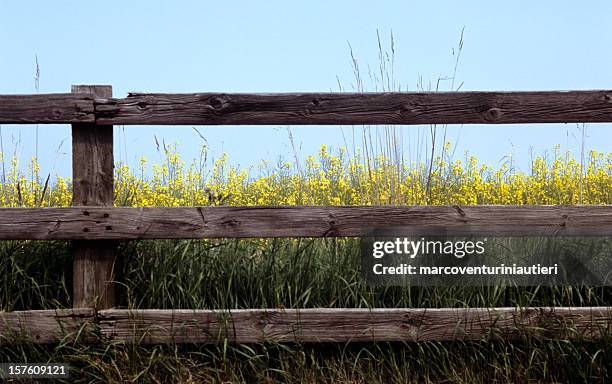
<point>281,46</point>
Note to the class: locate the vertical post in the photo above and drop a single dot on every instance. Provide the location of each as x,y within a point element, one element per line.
<point>92,185</point>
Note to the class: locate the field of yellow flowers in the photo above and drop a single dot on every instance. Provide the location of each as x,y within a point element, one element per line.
<point>333,179</point>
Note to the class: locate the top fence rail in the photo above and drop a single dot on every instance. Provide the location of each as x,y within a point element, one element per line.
<point>310,108</point>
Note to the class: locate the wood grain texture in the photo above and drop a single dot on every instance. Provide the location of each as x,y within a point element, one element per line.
<point>307,325</point>
<point>44,327</point>
<point>130,223</point>
<point>311,108</point>
<point>92,173</point>
<point>92,157</point>
<point>47,109</point>
<point>346,325</point>
<point>358,108</point>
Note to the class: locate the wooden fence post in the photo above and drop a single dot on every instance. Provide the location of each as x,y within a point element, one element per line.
<point>92,185</point>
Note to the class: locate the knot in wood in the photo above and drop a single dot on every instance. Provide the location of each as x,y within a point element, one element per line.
<point>306,111</point>
<point>218,102</point>
<point>460,211</point>
<point>492,114</point>
<point>410,109</point>
<point>412,321</point>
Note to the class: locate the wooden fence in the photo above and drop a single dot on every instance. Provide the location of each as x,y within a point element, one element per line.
<point>94,224</point>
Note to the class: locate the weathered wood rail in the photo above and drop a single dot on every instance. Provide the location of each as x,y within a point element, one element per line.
<point>131,223</point>
<point>94,224</point>
<point>312,325</point>
<point>311,108</point>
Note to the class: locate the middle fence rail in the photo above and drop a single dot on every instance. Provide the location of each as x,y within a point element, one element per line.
<point>95,224</point>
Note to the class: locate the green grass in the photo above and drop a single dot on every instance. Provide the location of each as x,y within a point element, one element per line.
<point>290,273</point>
<point>474,362</point>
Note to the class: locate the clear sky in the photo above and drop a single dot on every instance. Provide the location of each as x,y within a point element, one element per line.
<point>282,46</point>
